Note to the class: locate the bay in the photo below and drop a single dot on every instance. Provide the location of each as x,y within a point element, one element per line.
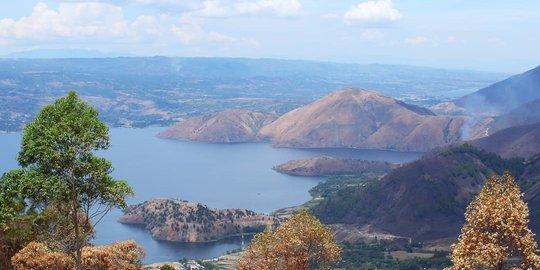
<point>218,175</point>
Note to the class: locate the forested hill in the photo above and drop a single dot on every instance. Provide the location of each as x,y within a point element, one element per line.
<point>426,199</point>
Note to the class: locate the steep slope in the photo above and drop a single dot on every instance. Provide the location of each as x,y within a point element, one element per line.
<point>504,96</point>
<point>528,113</point>
<point>425,199</point>
<point>532,197</point>
<point>520,141</point>
<point>324,165</point>
<point>358,118</point>
<point>222,127</point>
<point>182,221</point>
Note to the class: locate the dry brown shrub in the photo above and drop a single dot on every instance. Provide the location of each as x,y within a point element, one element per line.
<point>118,256</point>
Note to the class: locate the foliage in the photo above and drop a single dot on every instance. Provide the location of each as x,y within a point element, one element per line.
<point>166,267</point>
<point>37,256</point>
<point>118,256</point>
<point>360,256</point>
<point>301,242</point>
<point>336,183</point>
<point>61,175</point>
<point>496,229</point>
<point>516,166</point>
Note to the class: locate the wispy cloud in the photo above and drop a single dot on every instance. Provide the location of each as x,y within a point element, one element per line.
<point>99,23</point>
<point>416,40</point>
<point>373,12</point>
<point>229,8</point>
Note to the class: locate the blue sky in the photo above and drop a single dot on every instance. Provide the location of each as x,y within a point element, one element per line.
<point>485,35</point>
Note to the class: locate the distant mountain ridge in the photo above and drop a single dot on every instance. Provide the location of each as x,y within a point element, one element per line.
<point>156,91</point>
<point>359,118</point>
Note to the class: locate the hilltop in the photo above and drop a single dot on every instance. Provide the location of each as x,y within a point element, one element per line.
<point>224,127</point>
<point>183,221</point>
<point>359,118</point>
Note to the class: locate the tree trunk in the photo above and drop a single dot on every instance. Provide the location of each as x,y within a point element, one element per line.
<point>75,220</point>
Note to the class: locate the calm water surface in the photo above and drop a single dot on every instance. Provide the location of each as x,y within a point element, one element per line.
<point>218,175</point>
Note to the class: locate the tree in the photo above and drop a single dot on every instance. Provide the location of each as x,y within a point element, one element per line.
<point>61,172</point>
<point>496,229</point>
<point>166,267</point>
<point>301,242</point>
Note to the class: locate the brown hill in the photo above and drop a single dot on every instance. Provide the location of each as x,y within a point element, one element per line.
<point>521,141</point>
<point>357,118</point>
<point>425,199</point>
<point>322,166</point>
<point>223,127</point>
<point>182,221</point>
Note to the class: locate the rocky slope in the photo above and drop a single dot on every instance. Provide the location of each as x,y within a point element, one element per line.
<point>520,141</point>
<point>182,221</point>
<point>426,199</point>
<point>358,118</point>
<point>322,166</point>
<point>230,126</point>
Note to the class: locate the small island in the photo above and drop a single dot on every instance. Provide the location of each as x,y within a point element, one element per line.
<point>325,165</point>
<point>183,221</point>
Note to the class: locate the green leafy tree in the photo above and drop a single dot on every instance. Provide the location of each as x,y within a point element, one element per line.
<point>166,267</point>
<point>61,172</point>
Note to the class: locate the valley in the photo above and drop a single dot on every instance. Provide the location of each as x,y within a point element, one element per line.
<point>159,91</point>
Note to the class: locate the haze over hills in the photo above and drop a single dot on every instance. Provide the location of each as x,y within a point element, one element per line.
<point>525,114</point>
<point>358,118</point>
<point>504,96</point>
<point>222,127</point>
<point>150,91</point>
<point>511,102</point>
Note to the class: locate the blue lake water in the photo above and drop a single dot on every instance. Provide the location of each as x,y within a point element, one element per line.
<point>218,175</point>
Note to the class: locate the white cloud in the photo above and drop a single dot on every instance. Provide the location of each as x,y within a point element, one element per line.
<point>416,40</point>
<point>71,19</point>
<point>227,8</point>
<point>373,12</point>
<point>105,23</point>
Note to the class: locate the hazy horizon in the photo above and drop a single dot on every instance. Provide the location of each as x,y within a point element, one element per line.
<point>460,34</point>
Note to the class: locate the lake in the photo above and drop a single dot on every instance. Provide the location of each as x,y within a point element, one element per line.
<point>218,175</point>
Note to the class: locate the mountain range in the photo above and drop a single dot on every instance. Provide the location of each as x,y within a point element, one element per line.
<point>347,118</point>
<point>359,118</point>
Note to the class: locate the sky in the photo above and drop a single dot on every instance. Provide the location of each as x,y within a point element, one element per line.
<point>492,35</point>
